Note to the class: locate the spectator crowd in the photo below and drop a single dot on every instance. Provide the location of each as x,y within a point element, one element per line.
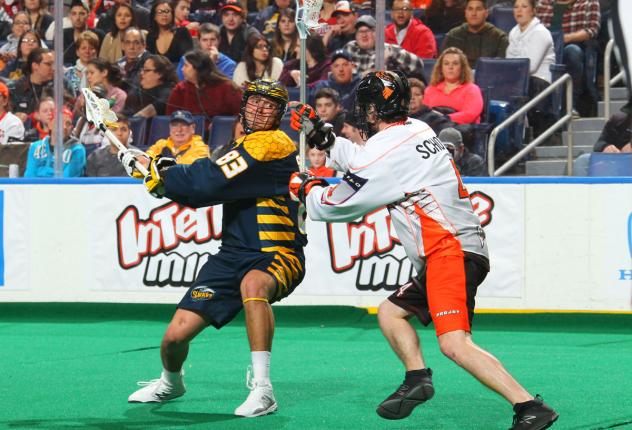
<point>192,58</point>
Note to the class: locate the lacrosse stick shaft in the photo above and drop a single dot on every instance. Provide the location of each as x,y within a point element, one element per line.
<point>303,98</point>
<point>98,113</point>
<point>112,138</point>
<point>307,13</point>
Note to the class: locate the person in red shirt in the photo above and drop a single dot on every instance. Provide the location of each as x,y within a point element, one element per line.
<point>182,8</point>
<point>317,159</point>
<point>204,90</point>
<point>408,32</point>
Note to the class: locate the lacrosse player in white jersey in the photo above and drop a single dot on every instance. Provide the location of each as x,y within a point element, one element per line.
<point>405,167</point>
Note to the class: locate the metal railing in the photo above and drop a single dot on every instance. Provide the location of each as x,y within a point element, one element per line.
<point>607,82</point>
<point>566,119</point>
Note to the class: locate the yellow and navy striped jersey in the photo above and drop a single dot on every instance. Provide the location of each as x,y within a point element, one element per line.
<point>251,180</point>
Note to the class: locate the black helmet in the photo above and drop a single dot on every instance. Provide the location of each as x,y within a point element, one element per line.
<point>388,91</point>
<point>267,88</point>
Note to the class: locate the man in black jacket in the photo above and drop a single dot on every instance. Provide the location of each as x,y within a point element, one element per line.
<point>468,163</point>
<point>477,37</point>
<point>234,31</point>
<point>616,135</point>
<point>37,83</point>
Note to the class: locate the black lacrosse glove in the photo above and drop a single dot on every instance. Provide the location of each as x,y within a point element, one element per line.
<point>319,134</point>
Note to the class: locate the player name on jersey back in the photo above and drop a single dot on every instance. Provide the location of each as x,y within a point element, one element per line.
<point>430,147</point>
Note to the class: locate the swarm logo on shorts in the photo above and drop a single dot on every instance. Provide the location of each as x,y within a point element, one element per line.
<point>201,293</point>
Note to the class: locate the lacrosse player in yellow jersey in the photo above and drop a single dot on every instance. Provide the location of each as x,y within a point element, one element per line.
<point>261,259</point>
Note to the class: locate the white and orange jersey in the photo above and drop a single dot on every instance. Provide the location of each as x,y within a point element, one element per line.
<point>406,168</point>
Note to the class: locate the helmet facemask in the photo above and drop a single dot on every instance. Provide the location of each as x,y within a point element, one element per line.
<point>366,114</point>
<point>257,113</point>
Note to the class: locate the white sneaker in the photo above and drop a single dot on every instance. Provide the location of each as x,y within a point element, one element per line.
<point>157,390</point>
<point>260,401</point>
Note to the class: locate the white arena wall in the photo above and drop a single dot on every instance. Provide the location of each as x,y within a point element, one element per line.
<point>556,244</point>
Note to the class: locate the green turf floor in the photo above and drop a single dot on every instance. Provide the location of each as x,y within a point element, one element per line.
<point>73,366</point>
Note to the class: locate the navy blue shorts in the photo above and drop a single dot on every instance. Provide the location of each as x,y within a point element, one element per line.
<point>216,292</point>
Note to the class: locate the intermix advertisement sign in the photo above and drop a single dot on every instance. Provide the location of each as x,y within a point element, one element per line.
<point>552,246</point>
<point>144,244</point>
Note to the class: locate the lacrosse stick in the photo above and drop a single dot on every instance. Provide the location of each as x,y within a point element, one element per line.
<point>307,17</point>
<point>98,113</point>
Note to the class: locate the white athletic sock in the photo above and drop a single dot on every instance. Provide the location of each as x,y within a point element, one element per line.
<point>171,377</point>
<point>261,367</point>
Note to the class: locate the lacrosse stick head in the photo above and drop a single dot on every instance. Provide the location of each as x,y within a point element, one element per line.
<point>307,16</point>
<point>98,110</point>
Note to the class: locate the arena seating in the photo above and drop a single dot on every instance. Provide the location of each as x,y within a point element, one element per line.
<point>503,18</point>
<point>138,125</point>
<point>505,82</point>
<point>285,126</point>
<point>439,40</point>
<point>294,93</point>
<point>429,64</point>
<point>606,164</point>
<point>221,131</point>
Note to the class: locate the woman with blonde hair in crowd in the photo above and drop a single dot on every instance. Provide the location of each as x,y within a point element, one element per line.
<point>112,45</point>
<point>285,39</point>
<point>452,89</point>
<point>257,62</point>
<point>40,18</point>
<point>87,45</point>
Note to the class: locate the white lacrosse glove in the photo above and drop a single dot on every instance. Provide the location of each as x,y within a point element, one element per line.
<point>129,158</point>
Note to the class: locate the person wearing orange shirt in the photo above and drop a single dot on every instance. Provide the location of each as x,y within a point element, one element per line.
<point>317,159</point>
